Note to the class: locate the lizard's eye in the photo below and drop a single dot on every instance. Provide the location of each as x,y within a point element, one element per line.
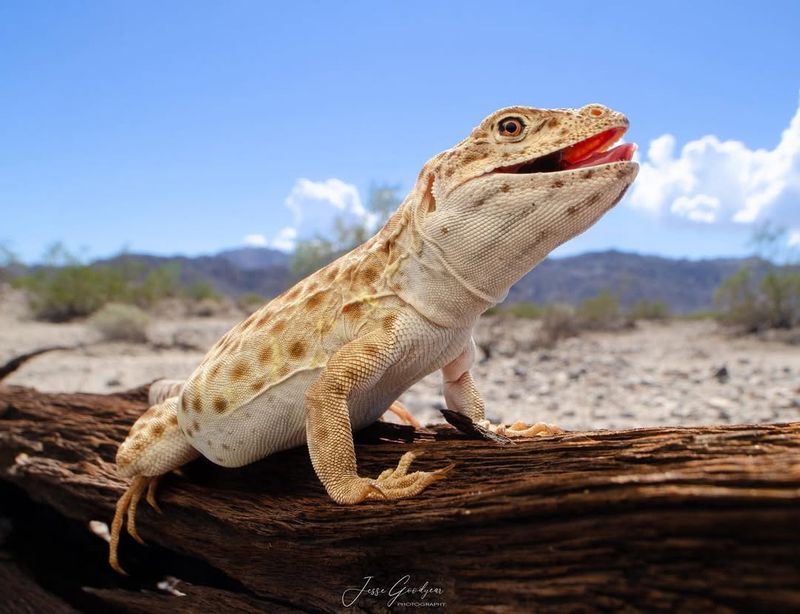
<point>511,126</point>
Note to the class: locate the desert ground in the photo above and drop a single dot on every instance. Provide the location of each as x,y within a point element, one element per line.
<point>656,373</point>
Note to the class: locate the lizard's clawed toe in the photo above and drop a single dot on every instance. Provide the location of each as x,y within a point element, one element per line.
<point>127,506</point>
<point>520,429</point>
<point>397,483</point>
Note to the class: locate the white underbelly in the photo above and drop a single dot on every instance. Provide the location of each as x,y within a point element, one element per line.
<point>276,419</point>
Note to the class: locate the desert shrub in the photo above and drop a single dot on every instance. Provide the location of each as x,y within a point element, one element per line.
<point>780,291</point>
<point>752,306</point>
<point>648,310</point>
<point>738,303</point>
<point>73,290</point>
<point>202,291</point>
<point>64,288</point>
<point>557,322</point>
<point>525,310</point>
<point>118,322</point>
<point>772,301</point>
<point>600,312</point>
<point>157,285</point>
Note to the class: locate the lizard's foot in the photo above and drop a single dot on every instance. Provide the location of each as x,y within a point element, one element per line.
<point>400,410</point>
<point>520,429</point>
<point>127,505</point>
<point>390,484</point>
<point>398,483</point>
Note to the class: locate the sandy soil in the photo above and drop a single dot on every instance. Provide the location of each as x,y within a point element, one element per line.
<point>678,373</point>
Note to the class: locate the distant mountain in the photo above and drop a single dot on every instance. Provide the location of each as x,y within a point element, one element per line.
<point>233,272</point>
<point>684,285</point>
<point>252,258</point>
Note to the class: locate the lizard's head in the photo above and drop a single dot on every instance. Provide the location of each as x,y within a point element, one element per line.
<point>525,181</point>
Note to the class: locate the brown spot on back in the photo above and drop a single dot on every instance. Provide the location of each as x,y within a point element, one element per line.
<point>173,419</point>
<point>293,293</point>
<point>313,301</point>
<point>197,404</point>
<point>265,354</point>
<point>214,370</point>
<point>158,429</point>
<point>257,385</point>
<point>297,350</point>
<point>264,319</point>
<point>278,327</point>
<point>331,273</point>
<point>220,405</point>
<point>353,310</point>
<point>505,188</point>
<point>553,122</point>
<point>240,370</point>
<point>283,370</point>
<point>369,275</point>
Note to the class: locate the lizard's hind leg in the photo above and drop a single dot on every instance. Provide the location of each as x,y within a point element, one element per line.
<point>154,446</point>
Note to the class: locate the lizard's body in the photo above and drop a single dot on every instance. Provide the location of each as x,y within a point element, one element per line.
<point>331,354</point>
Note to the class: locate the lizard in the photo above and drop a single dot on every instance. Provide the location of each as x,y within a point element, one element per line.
<point>332,353</point>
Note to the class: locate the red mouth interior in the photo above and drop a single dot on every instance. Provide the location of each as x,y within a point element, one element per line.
<point>593,151</point>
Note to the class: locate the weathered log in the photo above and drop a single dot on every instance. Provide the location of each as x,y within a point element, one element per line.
<point>686,519</point>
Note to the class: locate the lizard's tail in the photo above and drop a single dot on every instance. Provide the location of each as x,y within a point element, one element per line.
<point>154,446</point>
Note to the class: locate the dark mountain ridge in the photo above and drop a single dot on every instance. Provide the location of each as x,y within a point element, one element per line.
<point>684,285</point>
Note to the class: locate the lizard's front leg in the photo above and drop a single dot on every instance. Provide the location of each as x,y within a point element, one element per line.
<point>462,396</point>
<point>352,370</point>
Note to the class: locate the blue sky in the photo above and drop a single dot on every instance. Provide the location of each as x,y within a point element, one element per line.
<point>185,127</point>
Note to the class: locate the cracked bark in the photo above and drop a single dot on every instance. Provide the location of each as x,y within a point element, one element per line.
<point>645,519</point>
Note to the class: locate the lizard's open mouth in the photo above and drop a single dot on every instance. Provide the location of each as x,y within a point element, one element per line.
<point>594,151</point>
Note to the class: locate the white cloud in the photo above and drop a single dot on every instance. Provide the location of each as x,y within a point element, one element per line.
<point>255,240</point>
<point>722,182</point>
<point>315,205</point>
<point>285,239</point>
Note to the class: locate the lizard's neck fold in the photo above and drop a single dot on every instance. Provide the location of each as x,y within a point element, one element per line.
<point>420,274</point>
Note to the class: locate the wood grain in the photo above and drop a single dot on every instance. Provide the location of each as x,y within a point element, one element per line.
<point>637,520</point>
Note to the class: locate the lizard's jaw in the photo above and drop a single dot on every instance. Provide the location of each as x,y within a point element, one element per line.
<point>594,151</point>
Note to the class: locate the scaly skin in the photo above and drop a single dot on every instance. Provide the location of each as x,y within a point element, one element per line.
<point>334,352</point>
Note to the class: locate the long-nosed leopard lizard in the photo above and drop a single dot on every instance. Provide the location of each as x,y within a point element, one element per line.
<point>332,353</point>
